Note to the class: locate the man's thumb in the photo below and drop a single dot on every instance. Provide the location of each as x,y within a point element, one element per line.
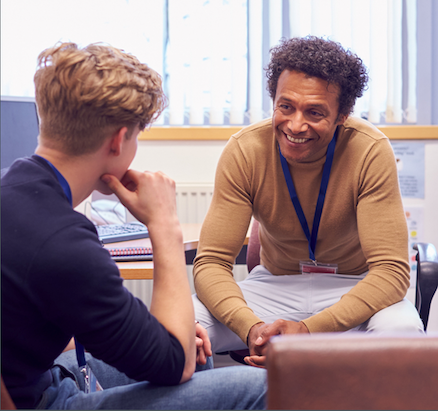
<point>111,182</point>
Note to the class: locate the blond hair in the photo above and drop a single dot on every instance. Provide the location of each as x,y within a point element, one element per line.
<point>85,95</point>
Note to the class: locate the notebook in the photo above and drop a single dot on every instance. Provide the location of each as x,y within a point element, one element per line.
<point>131,253</point>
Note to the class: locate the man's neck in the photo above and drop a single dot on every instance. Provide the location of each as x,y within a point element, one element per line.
<point>81,172</point>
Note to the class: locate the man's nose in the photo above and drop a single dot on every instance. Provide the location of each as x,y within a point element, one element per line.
<point>297,123</point>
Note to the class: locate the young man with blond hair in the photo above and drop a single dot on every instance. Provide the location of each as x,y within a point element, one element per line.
<point>58,282</point>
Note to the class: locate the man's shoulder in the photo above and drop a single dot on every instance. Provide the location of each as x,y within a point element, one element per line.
<point>355,126</point>
<point>252,139</point>
<point>34,207</point>
<point>261,129</point>
<point>25,170</point>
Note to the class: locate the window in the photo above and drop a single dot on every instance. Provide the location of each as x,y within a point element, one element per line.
<point>212,53</point>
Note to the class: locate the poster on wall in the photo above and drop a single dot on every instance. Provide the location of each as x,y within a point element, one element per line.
<point>415,220</point>
<point>410,167</point>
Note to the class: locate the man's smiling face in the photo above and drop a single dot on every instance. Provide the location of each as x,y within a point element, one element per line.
<point>305,116</point>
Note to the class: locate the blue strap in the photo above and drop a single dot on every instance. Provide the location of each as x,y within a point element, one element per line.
<point>64,183</point>
<point>321,196</point>
<point>80,354</point>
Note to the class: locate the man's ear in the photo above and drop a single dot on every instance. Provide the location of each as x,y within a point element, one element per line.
<point>341,119</point>
<point>116,141</point>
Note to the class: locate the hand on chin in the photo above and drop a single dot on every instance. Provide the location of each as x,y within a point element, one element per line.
<point>103,188</point>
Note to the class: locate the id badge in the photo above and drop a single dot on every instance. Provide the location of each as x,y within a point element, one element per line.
<point>90,380</point>
<point>314,267</point>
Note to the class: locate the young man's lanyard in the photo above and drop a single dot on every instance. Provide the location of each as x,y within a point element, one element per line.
<point>80,351</point>
<point>321,196</point>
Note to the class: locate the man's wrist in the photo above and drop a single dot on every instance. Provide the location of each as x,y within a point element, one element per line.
<point>304,327</point>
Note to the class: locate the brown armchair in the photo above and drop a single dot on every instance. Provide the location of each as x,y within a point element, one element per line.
<point>357,371</point>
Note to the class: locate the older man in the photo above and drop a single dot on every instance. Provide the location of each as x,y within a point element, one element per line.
<point>324,187</point>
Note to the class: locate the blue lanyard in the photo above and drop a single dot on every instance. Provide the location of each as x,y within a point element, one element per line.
<point>64,184</point>
<point>80,351</point>
<point>321,197</point>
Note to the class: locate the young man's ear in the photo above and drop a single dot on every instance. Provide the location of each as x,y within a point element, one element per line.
<point>116,141</point>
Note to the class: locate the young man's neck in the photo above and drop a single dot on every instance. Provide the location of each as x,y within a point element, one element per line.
<point>81,172</point>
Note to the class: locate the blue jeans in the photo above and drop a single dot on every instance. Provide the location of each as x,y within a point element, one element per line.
<point>238,387</point>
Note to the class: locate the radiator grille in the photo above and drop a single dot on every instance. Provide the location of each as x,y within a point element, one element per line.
<point>192,202</point>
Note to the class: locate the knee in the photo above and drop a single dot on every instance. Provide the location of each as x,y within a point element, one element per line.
<point>401,317</point>
<point>201,312</point>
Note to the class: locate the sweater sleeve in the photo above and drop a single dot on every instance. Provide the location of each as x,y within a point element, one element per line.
<point>383,237</point>
<point>82,293</point>
<point>222,235</point>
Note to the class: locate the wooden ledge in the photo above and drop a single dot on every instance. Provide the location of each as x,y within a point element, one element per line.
<point>410,132</point>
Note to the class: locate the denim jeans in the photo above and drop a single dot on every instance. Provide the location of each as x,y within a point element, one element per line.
<point>239,387</point>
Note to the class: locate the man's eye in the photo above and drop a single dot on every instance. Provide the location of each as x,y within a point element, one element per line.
<point>315,113</point>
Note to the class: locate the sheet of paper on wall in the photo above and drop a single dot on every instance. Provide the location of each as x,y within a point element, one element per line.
<point>411,168</point>
<point>415,220</point>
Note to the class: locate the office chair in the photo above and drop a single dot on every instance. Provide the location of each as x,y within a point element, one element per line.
<point>427,278</point>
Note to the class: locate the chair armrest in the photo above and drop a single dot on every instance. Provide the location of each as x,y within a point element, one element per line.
<point>427,278</point>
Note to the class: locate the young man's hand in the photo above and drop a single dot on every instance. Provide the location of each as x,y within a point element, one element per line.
<point>203,345</point>
<point>150,197</point>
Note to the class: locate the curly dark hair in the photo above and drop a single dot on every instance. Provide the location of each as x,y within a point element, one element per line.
<point>320,58</point>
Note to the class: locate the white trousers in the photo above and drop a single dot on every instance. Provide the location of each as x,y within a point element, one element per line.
<point>297,297</point>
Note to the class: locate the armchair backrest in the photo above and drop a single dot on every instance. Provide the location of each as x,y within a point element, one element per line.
<point>353,371</point>
<point>253,251</point>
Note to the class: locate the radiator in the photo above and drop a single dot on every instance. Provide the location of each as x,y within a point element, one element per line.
<point>192,202</point>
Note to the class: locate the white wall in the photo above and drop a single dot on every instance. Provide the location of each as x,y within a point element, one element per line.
<point>183,161</point>
<point>195,162</point>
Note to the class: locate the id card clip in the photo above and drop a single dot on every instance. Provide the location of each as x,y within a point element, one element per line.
<point>90,380</point>
<point>314,267</point>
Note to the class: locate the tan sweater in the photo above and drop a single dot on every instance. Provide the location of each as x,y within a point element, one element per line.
<point>363,226</point>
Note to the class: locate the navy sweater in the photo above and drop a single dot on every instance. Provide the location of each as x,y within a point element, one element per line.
<point>58,282</point>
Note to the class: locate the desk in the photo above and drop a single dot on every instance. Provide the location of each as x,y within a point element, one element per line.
<point>144,270</point>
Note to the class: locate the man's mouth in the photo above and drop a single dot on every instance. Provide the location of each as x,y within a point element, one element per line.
<point>296,140</point>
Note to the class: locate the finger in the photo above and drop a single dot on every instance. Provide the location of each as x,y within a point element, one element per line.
<point>258,350</point>
<point>256,361</point>
<point>130,180</point>
<point>115,186</point>
<point>267,332</point>
<point>201,332</point>
<point>263,340</point>
<point>201,358</point>
<point>207,348</point>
